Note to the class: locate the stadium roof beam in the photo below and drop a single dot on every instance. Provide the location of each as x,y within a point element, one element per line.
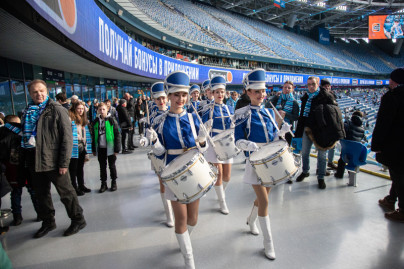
<point>259,10</point>
<point>233,5</point>
<point>338,15</point>
<point>380,4</point>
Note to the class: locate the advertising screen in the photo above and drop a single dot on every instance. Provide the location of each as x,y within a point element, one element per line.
<point>386,26</point>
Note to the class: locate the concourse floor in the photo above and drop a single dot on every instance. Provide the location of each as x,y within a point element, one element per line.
<point>336,228</point>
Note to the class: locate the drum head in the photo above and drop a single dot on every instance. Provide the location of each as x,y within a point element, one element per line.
<point>268,150</point>
<point>179,162</point>
<point>223,134</point>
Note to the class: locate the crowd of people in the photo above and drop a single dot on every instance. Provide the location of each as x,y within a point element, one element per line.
<point>52,141</point>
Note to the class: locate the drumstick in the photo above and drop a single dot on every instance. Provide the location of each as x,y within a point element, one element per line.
<point>147,113</point>
<point>203,125</point>
<point>279,115</point>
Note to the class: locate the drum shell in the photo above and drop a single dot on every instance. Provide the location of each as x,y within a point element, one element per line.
<point>192,178</point>
<point>156,163</point>
<point>276,168</point>
<point>225,146</point>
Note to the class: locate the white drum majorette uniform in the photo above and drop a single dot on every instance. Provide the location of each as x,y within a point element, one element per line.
<point>221,116</point>
<point>255,124</point>
<point>203,103</point>
<point>195,103</point>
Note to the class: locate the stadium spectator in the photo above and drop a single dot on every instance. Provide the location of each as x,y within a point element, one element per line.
<point>81,147</point>
<point>140,109</point>
<point>243,101</point>
<point>232,101</point>
<point>47,152</point>
<point>111,110</point>
<point>125,124</point>
<point>318,103</point>
<point>73,99</point>
<point>325,83</point>
<point>130,106</point>
<point>106,144</point>
<point>354,131</point>
<point>286,105</point>
<point>62,99</point>
<point>10,144</point>
<point>387,143</point>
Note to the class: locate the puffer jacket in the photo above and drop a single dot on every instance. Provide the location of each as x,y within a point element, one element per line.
<point>354,129</point>
<point>324,125</point>
<point>54,139</point>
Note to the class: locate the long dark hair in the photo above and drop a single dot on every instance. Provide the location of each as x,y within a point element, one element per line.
<point>80,120</point>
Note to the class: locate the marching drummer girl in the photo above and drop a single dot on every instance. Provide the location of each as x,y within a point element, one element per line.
<point>174,135</point>
<point>160,100</point>
<point>255,127</point>
<point>217,118</point>
<point>209,96</point>
<point>194,92</point>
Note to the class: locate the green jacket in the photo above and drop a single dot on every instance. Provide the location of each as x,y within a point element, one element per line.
<point>113,136</point>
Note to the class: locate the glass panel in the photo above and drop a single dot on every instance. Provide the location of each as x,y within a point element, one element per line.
<point>5,98</point>
<point>18,96</point>
<point>92,93</point>
<point>103,92</point>
<point>69,91</point>
<point>77,90</point>
<point>109,95</point>
<point>98,92</point>
<point>85,93</point>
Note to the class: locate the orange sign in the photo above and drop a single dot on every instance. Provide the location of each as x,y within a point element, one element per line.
<point>386,26</point>
<point>376,27</point>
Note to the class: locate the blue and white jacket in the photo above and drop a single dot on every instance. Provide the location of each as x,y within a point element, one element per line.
<point>175,133</point>
<point>255,124</point>
<point>221,115</point>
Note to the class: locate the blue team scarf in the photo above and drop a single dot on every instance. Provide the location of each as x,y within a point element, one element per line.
<point>12,128</point>
<point>308,103</point>
<point>30,118</point>
<point>75,150</point>
<point>288,105</point>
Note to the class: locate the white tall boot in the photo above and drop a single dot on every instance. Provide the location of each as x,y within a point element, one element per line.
<point>252,220</point>
<point>190,229</point>
<point>222,199</point>
<point>168,209</point>
<point>186,249</point>
<point>225,184</point>
<point>268,242</point>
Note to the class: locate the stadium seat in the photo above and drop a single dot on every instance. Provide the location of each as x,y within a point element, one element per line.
<point>354,154</point>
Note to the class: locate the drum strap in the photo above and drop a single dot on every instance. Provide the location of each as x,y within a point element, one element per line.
<point>191,121</point>
<point>272,119</point>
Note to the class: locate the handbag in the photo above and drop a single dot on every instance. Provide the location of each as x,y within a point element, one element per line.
<point>81,146</point>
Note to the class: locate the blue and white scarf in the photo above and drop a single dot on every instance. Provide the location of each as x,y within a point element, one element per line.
<point>75,150</point>
<point>30,120</point>
<point>288,105</point>
<point>308,103</point>
<point>12,128</point>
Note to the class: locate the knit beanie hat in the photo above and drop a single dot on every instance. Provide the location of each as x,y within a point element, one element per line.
<point>398,75</point>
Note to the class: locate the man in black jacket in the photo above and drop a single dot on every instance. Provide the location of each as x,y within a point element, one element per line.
<point>243,101</point>
<point>320,122</point>
<point>125,124</point>
<point>387,143</point>
<point>47,143</point>
<point>130,106</point>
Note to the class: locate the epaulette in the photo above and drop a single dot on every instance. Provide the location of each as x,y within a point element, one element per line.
<point>242,113</point>
<point>159,119</point>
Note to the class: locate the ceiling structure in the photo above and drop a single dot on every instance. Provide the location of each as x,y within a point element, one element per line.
<point>344,18</point>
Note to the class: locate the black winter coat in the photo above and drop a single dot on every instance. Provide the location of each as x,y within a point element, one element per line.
<point>243,101</point>
<point>124,118</point>
<point>130,106</point>
<point>389,129</point>
<point>324,125</point>
<point>10,144</point>
<point>354,130</point>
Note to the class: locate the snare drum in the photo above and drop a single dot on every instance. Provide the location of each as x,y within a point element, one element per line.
<point>189,176</point>
<point>225,146</point>
<point>274,164</point>
<point>157,164</point>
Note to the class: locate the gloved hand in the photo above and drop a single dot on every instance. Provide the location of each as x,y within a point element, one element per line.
<point>209,124</point>
<point>247,145</point>
<point>286,128</point>
<point>202,135</point>
<point>144,142</point>
<point>151,135</point>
